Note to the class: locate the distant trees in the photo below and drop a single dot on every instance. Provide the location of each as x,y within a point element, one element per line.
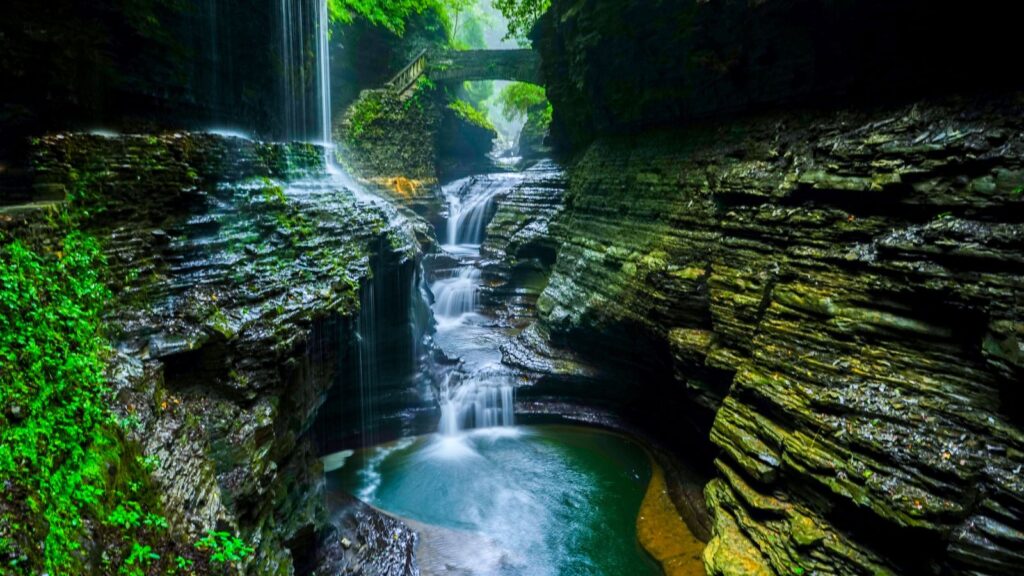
<point>393,14</point>
<point>521,15</point>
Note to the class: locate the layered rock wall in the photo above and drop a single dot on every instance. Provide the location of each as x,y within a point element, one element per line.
<point>838,294</point>
<point>237,271</point>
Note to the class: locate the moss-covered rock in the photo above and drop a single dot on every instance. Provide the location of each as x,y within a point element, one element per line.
<point>391,144</point>
<point>834,298</point>
<point>233,297</point>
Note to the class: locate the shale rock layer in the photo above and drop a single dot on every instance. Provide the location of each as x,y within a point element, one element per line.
<point>838,295</point>
<point>237,269</point>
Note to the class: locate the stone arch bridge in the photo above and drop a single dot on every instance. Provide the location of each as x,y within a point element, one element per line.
<point>453,66</point>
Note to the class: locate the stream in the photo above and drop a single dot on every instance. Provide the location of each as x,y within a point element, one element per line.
<point>488,496</point>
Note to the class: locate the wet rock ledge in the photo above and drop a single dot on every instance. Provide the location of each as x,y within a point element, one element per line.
<point>834,298</point>
<point>235,292</point>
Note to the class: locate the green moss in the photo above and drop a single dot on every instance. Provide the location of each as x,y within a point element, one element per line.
<point>77,495</point>
<point>467,112</point>
<point>364,113</point>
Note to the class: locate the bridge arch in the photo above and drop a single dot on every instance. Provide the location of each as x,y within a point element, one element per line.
<point>451,66</point>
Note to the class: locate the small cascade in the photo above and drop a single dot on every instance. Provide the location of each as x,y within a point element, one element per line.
<point>467,405</point>
<point>457,295</point>
<point>471,204</point>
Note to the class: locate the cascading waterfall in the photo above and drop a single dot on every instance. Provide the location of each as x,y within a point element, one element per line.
<point>291,96</point>
<point>472,404</point>
<point>323,59</point>
<point>306,116</point>
<point>480,393</point>
<point>456,296</point>
<point>471,203</point>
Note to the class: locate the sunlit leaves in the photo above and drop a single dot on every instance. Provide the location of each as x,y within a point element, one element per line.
<point>521,14</point>
<point>51,381</point>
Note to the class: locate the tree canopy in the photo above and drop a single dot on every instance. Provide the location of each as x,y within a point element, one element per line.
<point>389,14</point>
<point>521,15</point>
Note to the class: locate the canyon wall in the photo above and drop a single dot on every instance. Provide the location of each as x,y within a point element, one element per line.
<point>824,303</point>
<point>237,273</point>
<point>841,294</point>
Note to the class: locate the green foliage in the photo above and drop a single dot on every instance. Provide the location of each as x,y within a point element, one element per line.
<point>521,15</point>
<point>477,93</point>
<point>365,112</point>
<point>224,547</point>
<point>70,477</point>
<point>391,15</point>
<point>467,112</point>
<point>519,98</point>
<point>52,389</point>
<point>140,557</point>
<point>468,28</point>
<point>457,11</point>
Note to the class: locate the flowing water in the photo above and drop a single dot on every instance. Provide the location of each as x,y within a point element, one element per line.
<point>480,392</point>
<point>526,501</point>
<point>488,497</point>
<point>304,56</point>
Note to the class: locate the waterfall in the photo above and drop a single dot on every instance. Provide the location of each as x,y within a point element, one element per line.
<point>456,296</point>
<point>366,332</point>
<point>471,203</point>
<point>480,392</point>
<point>473,404</point>
<point>306,116</point>
<point>323,59</point>
<point>293,71</point>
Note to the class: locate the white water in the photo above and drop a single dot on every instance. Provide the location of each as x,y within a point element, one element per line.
<point>456,297</point>
<point>470,206</point>
<point>480,392</point>
<point>323,59</point>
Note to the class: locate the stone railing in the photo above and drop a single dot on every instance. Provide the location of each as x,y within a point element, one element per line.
<point>462,65</point>
<point>405,80</point>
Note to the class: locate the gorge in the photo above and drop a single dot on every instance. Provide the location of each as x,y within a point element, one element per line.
<point>705,287</point>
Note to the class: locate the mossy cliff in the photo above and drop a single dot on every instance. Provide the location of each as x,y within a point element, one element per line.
<point>790,249</point>
<point>232,299</point>
<point>392,144</point>
<point>404,147</point>
<point>838,295</point>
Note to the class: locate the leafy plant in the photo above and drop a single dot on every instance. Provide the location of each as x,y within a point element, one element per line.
<point>52,386</point>
<point>140,557</point>
<point>521,15</point>
<point>224,547</point>
<point>391,15</point>
<point>467,112</point>
<point>65,463</point>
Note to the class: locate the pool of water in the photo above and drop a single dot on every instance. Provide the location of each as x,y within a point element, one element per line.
<point>523,501</point>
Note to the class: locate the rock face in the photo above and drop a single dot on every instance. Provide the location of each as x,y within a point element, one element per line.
<point>834,299</point>
<point>697,58</point>
<point>518,249</point>
<point>237,268</point>
<point>392,145</point>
